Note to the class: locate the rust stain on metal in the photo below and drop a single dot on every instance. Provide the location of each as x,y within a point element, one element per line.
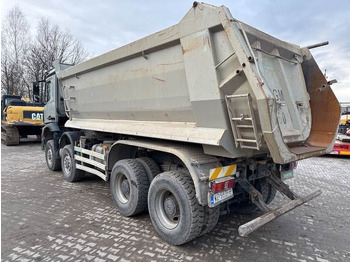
<point>323,125</point>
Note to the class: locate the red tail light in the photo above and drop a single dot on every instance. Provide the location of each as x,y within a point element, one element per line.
<point>222,186</point>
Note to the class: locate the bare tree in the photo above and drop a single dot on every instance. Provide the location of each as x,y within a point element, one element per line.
<point>51,43</point>
<point>25,59</point>
<point>14,45</point>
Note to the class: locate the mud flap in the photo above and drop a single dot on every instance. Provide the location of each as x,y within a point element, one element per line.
<point>269,214</point>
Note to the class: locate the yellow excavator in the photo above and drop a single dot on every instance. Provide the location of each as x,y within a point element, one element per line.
<point>20,119</point>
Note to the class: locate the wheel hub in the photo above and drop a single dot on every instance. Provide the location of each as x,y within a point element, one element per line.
<point>167,209</point>
<point>67,164</point>
<point>170,206</point>
<point>49,156</point>
<point>125,187</point>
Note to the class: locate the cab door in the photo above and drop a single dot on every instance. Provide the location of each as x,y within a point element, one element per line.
<point>50,112</point>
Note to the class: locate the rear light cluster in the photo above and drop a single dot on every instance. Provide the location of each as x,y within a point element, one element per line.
<point>342,146</point>
<point>222,186</point>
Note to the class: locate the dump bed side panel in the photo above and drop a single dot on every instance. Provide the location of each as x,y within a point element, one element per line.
<point>210,80</point>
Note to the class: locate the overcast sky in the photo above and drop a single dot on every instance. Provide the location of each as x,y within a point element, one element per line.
<point>107,24</point>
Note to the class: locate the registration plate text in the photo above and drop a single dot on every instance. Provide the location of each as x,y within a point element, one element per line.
<point>221,196</point>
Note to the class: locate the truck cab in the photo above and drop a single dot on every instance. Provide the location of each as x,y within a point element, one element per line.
<point>54,111</point>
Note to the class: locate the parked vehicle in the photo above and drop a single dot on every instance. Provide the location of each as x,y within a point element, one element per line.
<point>342,144</point>
<point>206,112</point>
<point>19,119</point>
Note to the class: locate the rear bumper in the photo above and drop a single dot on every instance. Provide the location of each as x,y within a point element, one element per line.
<point>258,222</point>
<point>271,214</point>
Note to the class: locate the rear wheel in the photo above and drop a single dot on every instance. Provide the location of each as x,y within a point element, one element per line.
<point>151,167</point>
<point>271,192</point>
<point>211,218</point>
<point>69,170</point>
<point>53,161</point>
<point>173,207</point>
<point>129,187</point>
<point>245,206</point>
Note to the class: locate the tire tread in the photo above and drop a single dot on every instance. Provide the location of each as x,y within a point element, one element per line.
<point>57,161</point>
<point>141,182</point>
<point>78,174</point>
<point>151,165</point>
<point>197,211</point>
<point>211,218</point>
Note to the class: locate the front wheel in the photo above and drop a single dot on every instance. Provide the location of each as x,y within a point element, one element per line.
<point>173,207</point>
<point>53,162</point>
<point>69,170</point>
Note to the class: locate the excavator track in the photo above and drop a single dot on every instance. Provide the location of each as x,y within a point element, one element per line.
<point>9,135</point>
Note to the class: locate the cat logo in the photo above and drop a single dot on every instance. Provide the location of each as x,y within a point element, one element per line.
<point>37,116</point>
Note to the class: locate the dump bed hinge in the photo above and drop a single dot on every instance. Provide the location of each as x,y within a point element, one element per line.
<point>242,121</point>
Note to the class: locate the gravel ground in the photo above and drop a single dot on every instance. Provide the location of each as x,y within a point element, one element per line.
<point>46,218</point>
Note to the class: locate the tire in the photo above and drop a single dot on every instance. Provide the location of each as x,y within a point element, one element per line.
<point>69,170</point>
<point>151,167</point>
<point>52,162</point>
<point>129,187</point>
<point>211,218</point>
<point>183,220</point>
<point>270,192</point>
<point>244,207</point>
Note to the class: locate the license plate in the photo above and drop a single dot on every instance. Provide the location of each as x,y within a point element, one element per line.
<point>287,174</point>
<point>221,196</point>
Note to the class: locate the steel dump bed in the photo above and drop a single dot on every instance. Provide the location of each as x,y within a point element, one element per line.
<point>210,80</point>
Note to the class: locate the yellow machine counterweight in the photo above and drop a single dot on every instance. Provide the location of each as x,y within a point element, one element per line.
<point>19,119</point>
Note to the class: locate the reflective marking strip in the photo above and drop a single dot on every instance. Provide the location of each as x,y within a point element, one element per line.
<point>230,170</point>
<point>216,173</point>
<point>222,171</point>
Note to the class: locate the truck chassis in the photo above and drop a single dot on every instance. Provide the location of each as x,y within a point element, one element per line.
<point>140,172</point>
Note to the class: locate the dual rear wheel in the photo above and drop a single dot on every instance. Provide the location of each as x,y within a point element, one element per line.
<point>137,184</point>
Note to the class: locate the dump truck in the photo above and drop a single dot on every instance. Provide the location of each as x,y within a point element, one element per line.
<point>205,114</point>
<point>19,119</point>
